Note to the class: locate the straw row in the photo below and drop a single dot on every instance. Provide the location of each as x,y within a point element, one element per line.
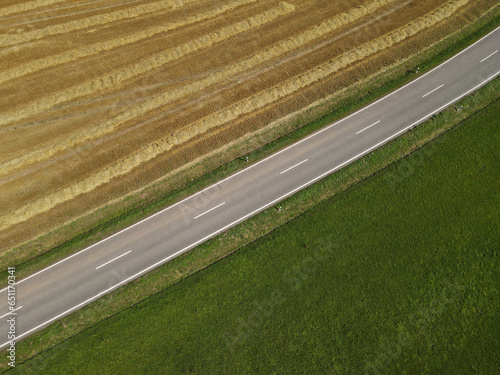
<point>160,99</point>
<point>114,79</point>
<point>94,49</point>
<point>248,105</point>
<point>25,7</point>
<point>92,21</point>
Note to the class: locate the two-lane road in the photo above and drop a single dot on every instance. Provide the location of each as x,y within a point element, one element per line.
<point>83,277</point>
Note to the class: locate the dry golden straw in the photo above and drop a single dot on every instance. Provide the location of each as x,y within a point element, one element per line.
<point>97,20</point>
<point>276,50</point>
<point>23,7</point>
<point>248,105</point>
<point>118,77</point>
<point>94,49</point>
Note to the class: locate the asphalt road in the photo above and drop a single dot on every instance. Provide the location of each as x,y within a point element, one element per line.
<point>87,275</point>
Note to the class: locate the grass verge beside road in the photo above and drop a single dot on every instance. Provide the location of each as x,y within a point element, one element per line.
<point>398,274</point>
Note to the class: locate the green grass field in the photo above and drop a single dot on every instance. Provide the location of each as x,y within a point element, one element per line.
<point>399,274</point>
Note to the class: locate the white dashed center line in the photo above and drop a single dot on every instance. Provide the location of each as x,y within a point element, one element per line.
<point>296,165</point>
<point>119,256</point>
<point>430,92</point>
<point>368,127</point>
<point>487,57</point>
<point>206,212</point>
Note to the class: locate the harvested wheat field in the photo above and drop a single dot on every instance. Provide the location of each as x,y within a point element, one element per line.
<point>99,98</point>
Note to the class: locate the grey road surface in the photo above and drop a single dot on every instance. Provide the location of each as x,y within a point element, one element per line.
<point>69,284</point>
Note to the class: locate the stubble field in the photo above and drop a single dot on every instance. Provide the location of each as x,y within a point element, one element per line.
<point>100,98</point>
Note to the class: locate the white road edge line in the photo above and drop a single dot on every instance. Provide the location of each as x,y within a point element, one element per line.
<point>112,260</point>
<point>487,57</point>
<point>159,263</point>
<point>430,92</point>
<point>296,165</point>
<point>368,127</point>
<point>10,313</point>
<point>206,212</point>
<point>259,162</point>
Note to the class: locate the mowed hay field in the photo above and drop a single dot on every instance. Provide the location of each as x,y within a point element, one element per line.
<point>99,98</point>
